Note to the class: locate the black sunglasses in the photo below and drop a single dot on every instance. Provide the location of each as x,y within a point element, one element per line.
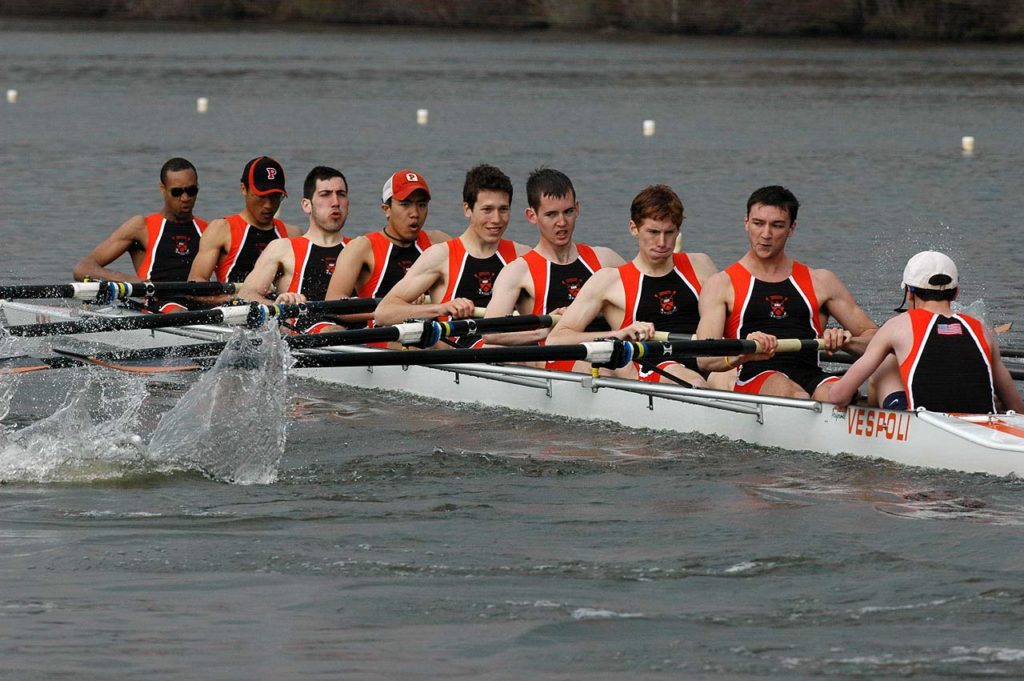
<point>191,191</point>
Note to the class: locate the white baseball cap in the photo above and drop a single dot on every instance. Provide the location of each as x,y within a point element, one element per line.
<point>932,271</point>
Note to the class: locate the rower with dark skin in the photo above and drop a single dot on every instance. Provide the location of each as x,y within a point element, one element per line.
<point>179,187</point>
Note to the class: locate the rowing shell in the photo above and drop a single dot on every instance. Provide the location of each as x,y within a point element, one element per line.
<point>975,444</point>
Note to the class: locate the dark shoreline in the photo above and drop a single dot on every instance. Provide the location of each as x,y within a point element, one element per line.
<point>943,20</point>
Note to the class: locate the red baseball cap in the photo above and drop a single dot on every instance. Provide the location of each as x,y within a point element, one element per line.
<point>263,175</point>
<point>402,184</point>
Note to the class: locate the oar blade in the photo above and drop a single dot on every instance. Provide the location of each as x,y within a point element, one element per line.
<point>22,364</point>
<point>149,365</point>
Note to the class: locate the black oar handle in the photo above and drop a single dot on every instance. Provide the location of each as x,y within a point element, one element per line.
<point>421,333</point>
<point>685,345</point>
<point>251,315</point>
<point>149,321</point>
<point>526,353</point>
<point>107,291</point>
<point>342,306</point>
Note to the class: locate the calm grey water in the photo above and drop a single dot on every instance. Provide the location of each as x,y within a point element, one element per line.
<point>403,539</point>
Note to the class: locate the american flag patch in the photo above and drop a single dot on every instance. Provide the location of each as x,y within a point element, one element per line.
<point>953,329</point>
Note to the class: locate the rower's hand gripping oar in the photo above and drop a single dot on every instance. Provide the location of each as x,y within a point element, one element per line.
<point>784,344</point>
<point>604,353</point>
<point>415,333</point>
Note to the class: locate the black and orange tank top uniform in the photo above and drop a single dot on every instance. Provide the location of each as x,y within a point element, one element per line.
<point>786,309</point>
<point>471,277</point>
<point>669,302</point>
<point>247,242</point>
<point>170,249</point>
<point>390,263</point>
<point>556,285</point>
<point>949,367</point>
<point>314,266</point>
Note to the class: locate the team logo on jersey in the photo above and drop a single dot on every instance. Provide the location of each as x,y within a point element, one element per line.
<point>777,306</point>
<point>485,282</point>
<point>182,246</point>
<point>271,173</point>
<point>329,265</point>
<point>405,264</point>
<point>666,301</point>
<point>573,286</point>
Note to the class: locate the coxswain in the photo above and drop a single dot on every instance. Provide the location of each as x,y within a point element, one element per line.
<point>944,361</point>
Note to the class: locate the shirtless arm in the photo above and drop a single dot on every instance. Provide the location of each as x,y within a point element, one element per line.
<point>352,269</point>
<point>121,241</point>
<point>436,236</point>
<point>713,305</point>
<point>703,267</point>
<point>607,257</point>
<point>513,292</point>
<point>839,302</point>
<point>293,230</point>
<point>714,310</point>
<point>271,268</point>
<point>399,304</point>
<point>841,392</point>
<point>214,242</point>
<point>1003,383</point>
<point>602,293</point>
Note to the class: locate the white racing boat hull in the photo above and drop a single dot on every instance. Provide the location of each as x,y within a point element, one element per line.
<point>974,444</point>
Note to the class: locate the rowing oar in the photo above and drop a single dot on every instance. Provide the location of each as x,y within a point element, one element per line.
<point>608,353</point>
<point>251,315</point>
<point>20,364</point>
<point>844,358</point>
<point>106,291</point>
<point>418,333</point>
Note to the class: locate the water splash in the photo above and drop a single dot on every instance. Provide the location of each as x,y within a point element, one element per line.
<point>231,424</point>
<point>90,437</point>
<point>8,382</point>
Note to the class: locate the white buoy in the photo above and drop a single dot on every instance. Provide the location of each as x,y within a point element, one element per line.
<point>967,144</point>
<point>422,116</point>
<point>202,104</point>
<point>12,96</point>
<point>648,128</point>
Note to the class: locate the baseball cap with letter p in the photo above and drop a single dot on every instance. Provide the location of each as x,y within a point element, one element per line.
<point>930,271</point>
<point>403,183</point>
<point>263,176</point>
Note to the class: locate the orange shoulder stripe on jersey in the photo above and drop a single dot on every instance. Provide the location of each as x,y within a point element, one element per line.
<point>507,250</point>
<point>538,266</point>
<point>685,267</point>
<point>154,225</point>
<point>740,277</point>
<point>802,277</point>
<point>589,257</point>
<point>456,257</point>
<point>301,247</point>
<point>630,275</point>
